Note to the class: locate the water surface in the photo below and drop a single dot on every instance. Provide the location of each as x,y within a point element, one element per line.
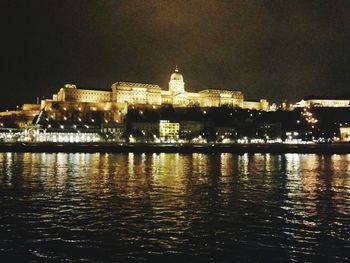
<point>172,207</point>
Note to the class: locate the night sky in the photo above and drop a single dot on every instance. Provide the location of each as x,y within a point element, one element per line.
<point>267,49</point>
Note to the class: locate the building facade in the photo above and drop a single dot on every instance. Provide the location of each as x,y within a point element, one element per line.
<point>323,102</point>
<point>128,93</point>
<point>345,134</point>
<point>168,130</point>
<point>73,104</point>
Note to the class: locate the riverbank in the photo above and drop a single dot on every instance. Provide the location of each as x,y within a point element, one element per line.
<point>327,148</point>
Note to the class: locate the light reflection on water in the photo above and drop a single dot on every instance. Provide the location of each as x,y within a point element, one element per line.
<point>191,207</point>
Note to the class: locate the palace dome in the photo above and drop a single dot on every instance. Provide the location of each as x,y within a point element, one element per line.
<point>176,75</point>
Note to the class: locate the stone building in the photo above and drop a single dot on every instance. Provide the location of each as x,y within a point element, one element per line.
<point>123,94</point>
<point>323,101</point>
<point>96,106</point>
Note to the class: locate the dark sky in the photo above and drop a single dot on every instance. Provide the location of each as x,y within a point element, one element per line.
<point>267,49</point>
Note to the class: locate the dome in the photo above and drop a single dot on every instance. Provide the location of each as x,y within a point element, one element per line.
<point>176,75</point>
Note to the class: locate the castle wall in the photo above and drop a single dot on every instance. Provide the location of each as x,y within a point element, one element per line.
<point>136,93</point>
<point>83,95</point>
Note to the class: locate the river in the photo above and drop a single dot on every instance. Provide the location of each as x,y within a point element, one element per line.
<point>76,207</point>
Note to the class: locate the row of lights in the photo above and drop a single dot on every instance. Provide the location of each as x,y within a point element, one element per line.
<point>80,109</point>
<point>74,126</point>
<point>79,119</point>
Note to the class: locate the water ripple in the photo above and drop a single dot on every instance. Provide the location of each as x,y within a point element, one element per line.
<point>174,207</point>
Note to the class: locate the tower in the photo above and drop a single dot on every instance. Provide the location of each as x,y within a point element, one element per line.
<point>176,83</point>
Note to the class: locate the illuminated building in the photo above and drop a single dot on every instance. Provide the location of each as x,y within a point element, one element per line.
<point>73,104</point>
<point>123,94</point>
<point>216,98</point>
<point>22,116</point>
<point>168,131</point>
<point>345,134</point>
<point>323,102</point>
<point>256,105</point>
<point>164,130</point>
<point>137,93</point>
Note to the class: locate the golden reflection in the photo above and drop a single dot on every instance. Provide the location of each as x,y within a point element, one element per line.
<point>340,182</point>
<point>155,164</point>
<point>170,170</point>
<point>62,169</point>
<point>7,162</point>
<point>267,158</point>
<point>172,186</point>
<point>301,184</point>
<point>131,164</point>
<point>263,161</point>
<point>309,191</point>
<point>293,164</point>
<point>104,164</point>
<point>317,183</point>
<point>243,164</point>
<point>226,164</point>
<point>305,178</point>
<point>3,178</point>
<point>227,168</point>
<point>28,169</point>
<point>198,161</point>
<point>310,162</point>
<point>201,166</point>
<point>341,162</point>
